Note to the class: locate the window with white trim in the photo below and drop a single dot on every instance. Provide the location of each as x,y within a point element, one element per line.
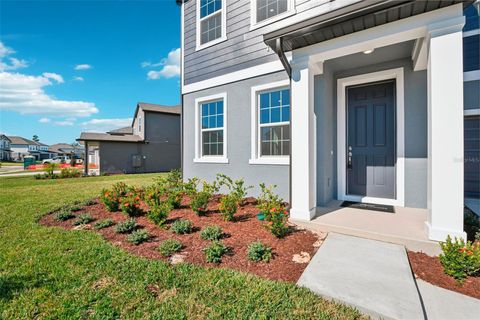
<point>211,20</point>
<point>212,128</point>
<point>267,9</point>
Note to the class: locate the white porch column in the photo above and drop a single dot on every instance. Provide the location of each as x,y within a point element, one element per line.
<point>445,131</point>
<point>303,142</point>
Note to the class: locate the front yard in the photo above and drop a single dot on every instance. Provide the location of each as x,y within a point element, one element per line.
<point>49,272</point>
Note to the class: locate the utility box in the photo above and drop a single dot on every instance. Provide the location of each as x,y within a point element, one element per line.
<point>136,161</point>
<point>28,161</point>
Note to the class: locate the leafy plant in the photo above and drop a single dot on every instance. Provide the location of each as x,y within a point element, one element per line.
<point>257,251</point>
<point>215,251</point>
<point>111,198</point>
<point>460,259</point>
<point>237,188</point>
<point>190,187</point>
<point>64,215</point>
<point>50,169</point>
<point>130,204</point>
<point>182,226</point>
<point>70,173</point>
<point>268,200</point>
<point>211,233</point>
<point>126,226</point>
<point>228,206</point>
<point>199,202</point>
<point>83,219</point>
<point>158,214</point>
<point>277,223</point>
<point>169,247</point>
<point>103,224</point>
<point>138,236</point>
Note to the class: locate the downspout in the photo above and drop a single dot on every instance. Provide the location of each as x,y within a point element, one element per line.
<point>288,68</point>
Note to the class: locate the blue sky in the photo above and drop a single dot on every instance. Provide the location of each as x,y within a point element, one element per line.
<point>72,66</point>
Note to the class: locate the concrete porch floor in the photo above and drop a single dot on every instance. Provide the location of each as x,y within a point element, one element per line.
<point>405,227</point>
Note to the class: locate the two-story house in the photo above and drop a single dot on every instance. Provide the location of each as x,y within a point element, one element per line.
<point>335,100</point>
<point>22,147</point>
<point>150,144</point>
<point>5,148</point>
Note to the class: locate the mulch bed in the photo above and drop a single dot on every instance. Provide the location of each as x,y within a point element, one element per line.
<point>431,270</point>
<point>245,229</point>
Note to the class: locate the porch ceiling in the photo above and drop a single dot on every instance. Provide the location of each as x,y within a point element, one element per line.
<point>351,19</point>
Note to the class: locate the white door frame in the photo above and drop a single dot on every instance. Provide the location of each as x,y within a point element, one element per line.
<point>342,84</point>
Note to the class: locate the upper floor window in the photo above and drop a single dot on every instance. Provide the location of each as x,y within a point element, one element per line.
<point>266,11</point>
<point>211,20</point>
<point>139,124</point>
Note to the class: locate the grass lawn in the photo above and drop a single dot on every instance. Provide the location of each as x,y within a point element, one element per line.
<point>54,273</point>
<point>11,164</point>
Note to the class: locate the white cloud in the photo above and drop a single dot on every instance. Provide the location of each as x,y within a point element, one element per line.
<point>104,125</point>
<point>13,63</point>
<point>170,66</point>
<point>83,66</point>
<point>5,51</point>
<point>53,76</point>
<point>64,123</point>
<point>25,94</point>
<point>78,79</point>
<point>44,120</point>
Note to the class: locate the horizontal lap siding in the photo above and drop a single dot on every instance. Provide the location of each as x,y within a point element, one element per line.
<point>242,49</point>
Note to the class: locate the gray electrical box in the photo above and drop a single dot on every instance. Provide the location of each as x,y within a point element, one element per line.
<point>136,161</point>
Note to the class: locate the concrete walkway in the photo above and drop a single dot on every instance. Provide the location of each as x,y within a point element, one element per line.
<point>373,276</point>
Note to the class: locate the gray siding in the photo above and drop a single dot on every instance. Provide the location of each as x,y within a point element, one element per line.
<point>238,139</point>
<point>243,48</point>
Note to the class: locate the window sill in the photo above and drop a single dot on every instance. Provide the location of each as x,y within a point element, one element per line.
<point>255,25</point>
<point>211,160</point>
<point>211,43</point>
<point>285,161</point>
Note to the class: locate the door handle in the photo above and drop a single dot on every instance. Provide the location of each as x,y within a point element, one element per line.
<point>349,158</point>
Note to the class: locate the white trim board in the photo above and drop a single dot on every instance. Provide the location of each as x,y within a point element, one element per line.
<point>342,84</point>
<point>198,154</point>
<point>471,112</point>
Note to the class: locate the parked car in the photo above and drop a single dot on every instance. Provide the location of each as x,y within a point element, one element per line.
<point>59,159</point>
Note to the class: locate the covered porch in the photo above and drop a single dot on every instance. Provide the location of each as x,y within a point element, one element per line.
<point>421,173</point>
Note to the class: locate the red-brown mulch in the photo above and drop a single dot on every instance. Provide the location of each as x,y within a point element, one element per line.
<point>245,229</point>
<point>431,270</point>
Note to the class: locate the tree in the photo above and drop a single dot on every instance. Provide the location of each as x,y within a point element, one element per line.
<point>35,138</point>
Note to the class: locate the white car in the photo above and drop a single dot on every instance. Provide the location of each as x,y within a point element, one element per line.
<point>61,159</point>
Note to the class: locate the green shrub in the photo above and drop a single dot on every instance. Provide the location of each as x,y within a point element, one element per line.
<point>182,226</point>
<point>126,226</point>
<point>460,259</point>
<point>277,221</point>
<point>49,169</point>
<point>111,198</point>
<point>70,173</point>
<point>64,215</point>
<point>215,251</point>
<point>228,206</point>
<point>138,236</point>
<point>257,251</point>
<point>199,202</point>
<point>237,188</point>
<point>158,214</point>
<point>190,187</point>
<point>169,247</point>
<point>174,198</point>
<point>130,204</point>
<point>103,224</point>
<point>83,219</point>
<point>211,233</point>
<point>268,200</point>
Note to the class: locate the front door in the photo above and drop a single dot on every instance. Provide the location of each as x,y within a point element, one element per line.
<point>371,140</point>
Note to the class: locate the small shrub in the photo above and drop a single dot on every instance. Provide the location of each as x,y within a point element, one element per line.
<point>169,247</point>
<point>110,200</point>
<point>138,236</point>
<point>277,223</point>
<point>268,200</point>
<point>103,224</point>
<point>83,219</point>
<point>211,233</point>
<point>460,259</point>
<point>70,173</point>
<point>237,188</point>
<point>182,226</point>
<point>130,204</point>
<point>89,202</point>
<point>64,215</point>
<point>228,206</point>
<point>49,170</point>
<point>190,187</point>
<point>126,226</point>
<point>199,202</point>
<point>174,198</point>
<point>158,214</point>
<point>215,251</point>
<point>257,251</point>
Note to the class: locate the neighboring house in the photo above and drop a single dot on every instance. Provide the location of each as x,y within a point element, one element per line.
<point>150,144</point>
<point>22,147</point>
<point>5,152</point>
<point>65,149</point>
<point>335,100</point>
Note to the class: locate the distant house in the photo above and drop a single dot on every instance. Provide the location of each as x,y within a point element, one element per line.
<point>5,148</point>
<point>65,149</point>
<point>150,144</point>
<point>21,147</point>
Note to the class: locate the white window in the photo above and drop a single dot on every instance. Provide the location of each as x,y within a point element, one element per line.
<point>211,22</point>
<point>139,124</point>
<point>268,11</point>
<point>270,124</point>
<point>211,129</point>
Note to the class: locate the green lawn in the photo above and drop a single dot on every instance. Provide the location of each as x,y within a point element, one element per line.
<point>10,164</point>
<point>57,274</point>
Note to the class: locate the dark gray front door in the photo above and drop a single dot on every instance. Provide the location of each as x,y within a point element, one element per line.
<point>371,140</point>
